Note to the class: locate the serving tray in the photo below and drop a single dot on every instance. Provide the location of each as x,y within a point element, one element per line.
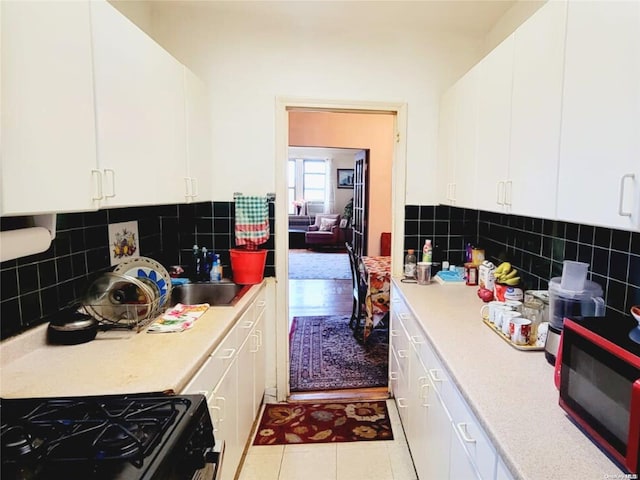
<point>529,348</point>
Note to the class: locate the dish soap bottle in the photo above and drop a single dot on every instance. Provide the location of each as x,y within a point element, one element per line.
<point>195,263</point>
<point>427,251</point>
<point>216,269</point>
<point>410,264</point>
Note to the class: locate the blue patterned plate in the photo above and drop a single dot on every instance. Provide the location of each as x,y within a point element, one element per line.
<point>149,270</point>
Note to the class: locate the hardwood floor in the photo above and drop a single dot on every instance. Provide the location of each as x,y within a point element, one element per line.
<point>326,297</point>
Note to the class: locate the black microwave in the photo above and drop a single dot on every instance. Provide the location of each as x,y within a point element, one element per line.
<point>598,374</point>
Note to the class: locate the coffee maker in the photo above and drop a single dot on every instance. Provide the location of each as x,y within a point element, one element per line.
<point>574,303</point>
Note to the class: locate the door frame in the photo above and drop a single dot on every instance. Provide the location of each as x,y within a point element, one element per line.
<point>398,186</point>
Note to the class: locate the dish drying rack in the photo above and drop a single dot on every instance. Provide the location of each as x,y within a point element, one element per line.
<point>121,301</point>
<point>130,316</point>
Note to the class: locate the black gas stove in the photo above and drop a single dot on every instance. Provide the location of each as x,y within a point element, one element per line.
<point>140,436</point>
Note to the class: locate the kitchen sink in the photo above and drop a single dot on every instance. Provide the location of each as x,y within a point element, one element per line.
<point>213,293</point>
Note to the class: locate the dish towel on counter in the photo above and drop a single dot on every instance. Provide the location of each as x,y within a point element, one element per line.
<point>180,317</point>
<point>252,221</point>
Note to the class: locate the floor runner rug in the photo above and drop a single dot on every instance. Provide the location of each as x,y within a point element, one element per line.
<point>305,265</point>
<point>286,423</point>
<point>324,355</point>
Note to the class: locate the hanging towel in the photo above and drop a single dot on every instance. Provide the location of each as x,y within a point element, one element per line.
<point>252,221</point>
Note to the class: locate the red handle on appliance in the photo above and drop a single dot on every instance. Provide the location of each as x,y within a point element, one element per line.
<point>558,366</point>
<point>634,429</point>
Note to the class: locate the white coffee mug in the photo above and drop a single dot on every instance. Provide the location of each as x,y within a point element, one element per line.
<point>490,309</point>
<point>506,316</point>
<point>520,330</point>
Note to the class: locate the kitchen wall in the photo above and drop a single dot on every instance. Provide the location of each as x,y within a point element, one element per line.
<point>248,60</point>
<point>34,287</point>
<point>535,246</point>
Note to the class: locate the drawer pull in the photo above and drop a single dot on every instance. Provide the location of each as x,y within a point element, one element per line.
<point>417,339</point>
<point>262,303</point>
<point>393,376</point>
<point>462,428</point>
<point>401,402</point>
<point>394,333</point>
<point>433,373</point>
<point>248,324</point>
<point>230,354</point>
<point>404,315</point>
<point>402,353</point>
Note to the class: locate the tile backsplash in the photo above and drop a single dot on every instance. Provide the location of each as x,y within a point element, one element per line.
<point>537,247</point>
<point>34,287</point>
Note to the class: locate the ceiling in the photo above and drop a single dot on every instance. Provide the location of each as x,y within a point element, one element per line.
<point>475,17</point>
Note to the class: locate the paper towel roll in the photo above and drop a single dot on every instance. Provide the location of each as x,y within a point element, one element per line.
<point>23,242</point>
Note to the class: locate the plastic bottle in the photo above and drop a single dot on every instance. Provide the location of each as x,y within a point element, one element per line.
<point>410,264</point>
<point>468,253</point>
<point>195,263</point>
<point>216,269</point>
<point>427,251</point>
<point>205,265</point>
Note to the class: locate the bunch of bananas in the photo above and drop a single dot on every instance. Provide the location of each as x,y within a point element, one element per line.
<point>506,274</point>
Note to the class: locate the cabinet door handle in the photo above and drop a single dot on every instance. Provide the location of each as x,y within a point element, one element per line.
<point>621,212</point>
<point>393,375</point>
<point>462,428</point>
<point>401,402</point>
<point>97,182</point>
<point>194,187</point>
<point>433,373</point>
<point>508,190</point>
<point>262,303</point>
<point>259,333</point>
<point>247,324</point>
<point>256,345</point>
<point>402,353</point>
<point>109,173</point>
<point>417,339</point>
<point>500,190</point>
<point>187,187</point>
<point>221,409</point>
<point>424,392</point>
<point>394,333</point>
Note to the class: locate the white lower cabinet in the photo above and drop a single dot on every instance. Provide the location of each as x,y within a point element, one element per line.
<point>444,436</point>
<point>233,380</point>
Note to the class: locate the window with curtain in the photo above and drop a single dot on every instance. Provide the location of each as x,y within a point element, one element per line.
<point>307,182</point>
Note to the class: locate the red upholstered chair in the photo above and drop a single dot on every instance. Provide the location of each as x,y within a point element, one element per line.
<point>325,231</point>
<point>385,244</point>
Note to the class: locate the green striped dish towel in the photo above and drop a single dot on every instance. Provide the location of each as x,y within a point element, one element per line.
<point>252,221</point>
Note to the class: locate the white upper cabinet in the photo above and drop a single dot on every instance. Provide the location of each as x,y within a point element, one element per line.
<point>457,137</point>
<point>48,133</point>
<point>494,126</point>
<point>446,144</point>
<point>198,179</point>
<point>140,113</point>
<point>599,175</point>
<point>536,112</point>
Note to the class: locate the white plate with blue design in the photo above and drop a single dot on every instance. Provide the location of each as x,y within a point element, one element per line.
<point>148,269</point>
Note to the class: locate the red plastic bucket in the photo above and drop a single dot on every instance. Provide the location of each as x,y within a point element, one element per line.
<point>248,265</point>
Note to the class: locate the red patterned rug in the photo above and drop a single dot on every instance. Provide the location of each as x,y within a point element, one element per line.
<point>285,423</point>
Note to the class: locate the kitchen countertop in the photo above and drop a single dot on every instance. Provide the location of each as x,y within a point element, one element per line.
<point>511,392</point>
<point>117,361</point>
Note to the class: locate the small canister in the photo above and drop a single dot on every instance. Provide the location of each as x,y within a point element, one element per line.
<point>471,272</point>
<point>423,273</point>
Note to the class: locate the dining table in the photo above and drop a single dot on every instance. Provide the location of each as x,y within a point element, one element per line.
<point>376,273</point>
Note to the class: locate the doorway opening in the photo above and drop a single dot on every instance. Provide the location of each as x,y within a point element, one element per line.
<point>293,132</point>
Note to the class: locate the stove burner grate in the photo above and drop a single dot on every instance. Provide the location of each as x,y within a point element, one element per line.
<point>94,429</point>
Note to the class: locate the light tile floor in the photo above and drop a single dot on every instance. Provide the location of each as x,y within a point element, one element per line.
<point>383,460</point>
